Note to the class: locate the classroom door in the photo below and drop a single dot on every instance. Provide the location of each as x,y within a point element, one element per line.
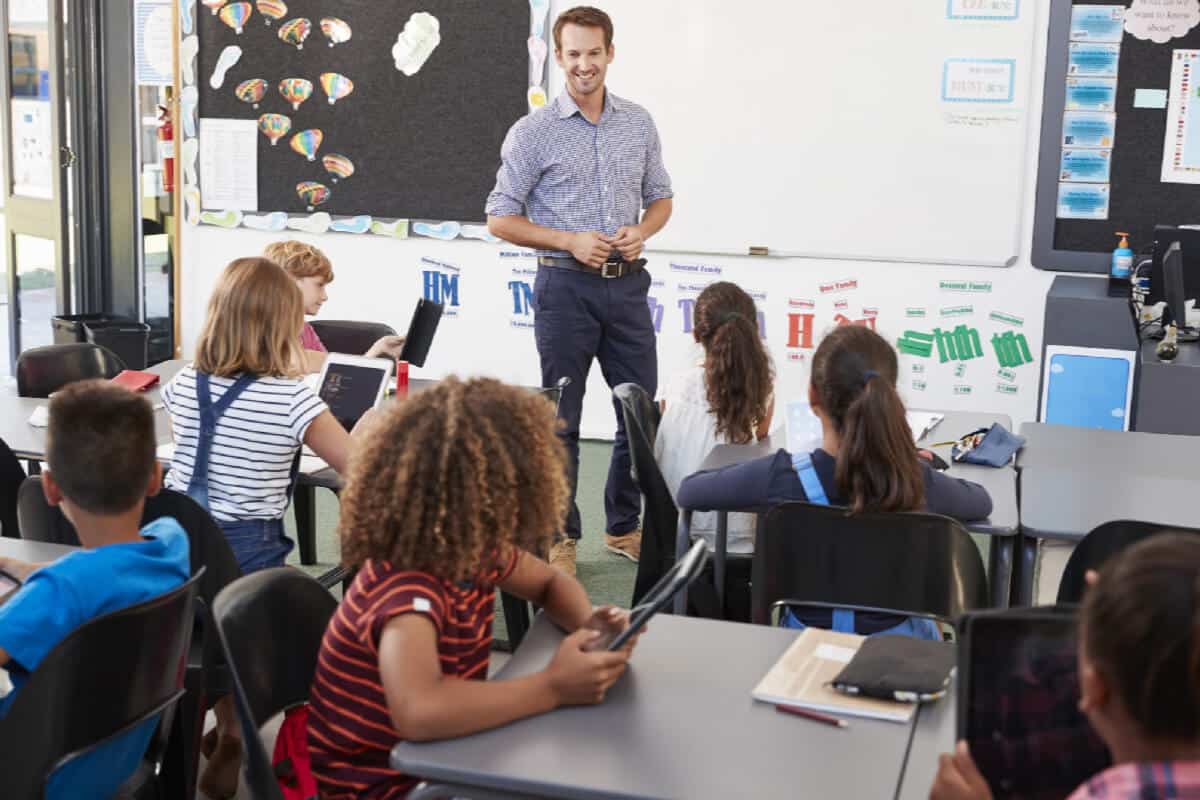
<point>37,160</point>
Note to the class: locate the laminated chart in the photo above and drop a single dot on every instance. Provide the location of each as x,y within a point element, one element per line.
<point>1012,349</point>
<point>1181,150</point>
<point>961,344</point>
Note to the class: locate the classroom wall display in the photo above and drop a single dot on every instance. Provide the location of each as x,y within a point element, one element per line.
<point>1120,143</point>
<point>353,116</point>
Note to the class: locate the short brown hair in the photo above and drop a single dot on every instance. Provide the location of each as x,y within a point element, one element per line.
<point>101,446</point>
<point>584,16</point>
<point>300,260</point>
<point>253,325</point>
<point>452,479</point>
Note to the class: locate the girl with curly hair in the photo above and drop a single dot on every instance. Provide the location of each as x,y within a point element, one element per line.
<point>446,498</point>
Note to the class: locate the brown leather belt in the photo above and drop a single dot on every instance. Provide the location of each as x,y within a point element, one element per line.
<point>613,268</point>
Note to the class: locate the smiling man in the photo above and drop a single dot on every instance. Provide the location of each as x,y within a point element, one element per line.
<point>575,177</point>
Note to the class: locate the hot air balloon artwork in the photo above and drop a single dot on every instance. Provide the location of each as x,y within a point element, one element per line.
<point>214,5</point>
<point>313,193</point>
<point>295,91</point>
<point>338,166</point>
<point>308,142</point>
<point>295,31</point>
<point>335,30</point>
<point>271,10</point>
<point>274,127</point>
<point>235,15</point>
<point>336,86</point>
<point>251,91</point>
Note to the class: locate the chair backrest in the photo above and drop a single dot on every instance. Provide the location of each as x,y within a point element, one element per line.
<point>42,371</point>
<point>11,477</point>
<point>912,562</point>
<point>661,519</point>
<point>208,548</point>
<point>1098,546</point>
<point>109,675</point>
<point>270,624</point>
<point>350,336</point>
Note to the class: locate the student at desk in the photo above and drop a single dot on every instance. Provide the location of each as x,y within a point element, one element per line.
<point>867,460</point>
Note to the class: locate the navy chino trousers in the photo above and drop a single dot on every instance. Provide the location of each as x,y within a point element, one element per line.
<point>579,317</point>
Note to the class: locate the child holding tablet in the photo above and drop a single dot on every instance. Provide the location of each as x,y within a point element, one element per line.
<point>443,505</point>
<point>312,272</point>
<point>1139,677</point>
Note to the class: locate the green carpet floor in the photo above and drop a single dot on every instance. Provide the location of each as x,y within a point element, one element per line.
<point>608,578</point>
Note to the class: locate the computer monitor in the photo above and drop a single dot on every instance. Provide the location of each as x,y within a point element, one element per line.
<point>1189,245</point>
<point>1173,287</point>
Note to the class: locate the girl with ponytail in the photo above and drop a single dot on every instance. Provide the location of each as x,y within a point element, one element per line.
<point>724,397</point>
<point>867,460</point>
<point>1139,677</point>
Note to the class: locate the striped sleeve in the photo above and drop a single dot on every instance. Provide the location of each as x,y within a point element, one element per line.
<point>306,407</point>
<point>404,593</point>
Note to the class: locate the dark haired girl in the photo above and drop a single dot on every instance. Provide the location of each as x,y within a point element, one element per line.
<point>867,460</point>
<point>1139,677</point>
<point>724,397</point>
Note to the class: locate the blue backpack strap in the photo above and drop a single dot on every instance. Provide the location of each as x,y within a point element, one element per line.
<point>807,473</point>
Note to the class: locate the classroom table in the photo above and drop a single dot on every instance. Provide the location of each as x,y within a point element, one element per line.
<point>1075,479</point>
<point>1001,484</point>
<point>933,734</point>
<point>32,552</point>
<point>680,723</point>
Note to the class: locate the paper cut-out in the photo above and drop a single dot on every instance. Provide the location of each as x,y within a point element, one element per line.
<point>295,32</point>
<point>188,49</point>
<point>338,166</point>
<point>274,127</point>
<point>251,91</point>
<point>191,202</point>
<point>225,62</point>
<point>360,224</point>
<point>308,142</point>
<point>189,97</point>
<point>214,5</point>
<point>414,45</point>
<point>235,15</point>
<point>336,30</point>
<point>188,155</point>
<point>314,223</point>
<point>272,10</point>
<point>443,230</point>
<point>336,86</point>
<point>224,219</point>
<point>397,229</point>
<point>537,58</point>
<point>295,91</point>
<point>313,193</point>
<point>186,21</point>
<point>479,232</point>
<point>275,221</point>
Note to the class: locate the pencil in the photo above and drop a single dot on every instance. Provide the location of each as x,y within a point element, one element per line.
<point>815,716</point>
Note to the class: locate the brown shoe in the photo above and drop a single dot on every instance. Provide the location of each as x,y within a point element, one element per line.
<point>562,555</point>
<point>625,544</point>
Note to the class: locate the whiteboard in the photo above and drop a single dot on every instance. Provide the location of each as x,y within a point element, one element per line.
<point>818,128</point>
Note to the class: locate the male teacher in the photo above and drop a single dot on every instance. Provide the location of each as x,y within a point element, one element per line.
<point>575,175</point>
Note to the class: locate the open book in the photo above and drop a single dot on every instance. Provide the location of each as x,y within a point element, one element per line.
<point>802,676</point>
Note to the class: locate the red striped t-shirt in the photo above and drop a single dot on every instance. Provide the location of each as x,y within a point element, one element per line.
<point>350,733</point>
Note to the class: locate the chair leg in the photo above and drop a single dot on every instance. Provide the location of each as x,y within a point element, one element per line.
<point>304,505</point>
<point>516,618</point>
<point>181,764</point>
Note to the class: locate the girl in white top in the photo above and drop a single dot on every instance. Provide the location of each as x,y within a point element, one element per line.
<point>725,397</point>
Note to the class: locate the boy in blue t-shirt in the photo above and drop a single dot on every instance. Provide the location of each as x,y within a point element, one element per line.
<point>102,466</point>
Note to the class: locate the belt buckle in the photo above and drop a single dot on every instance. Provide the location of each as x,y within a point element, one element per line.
<point>616,269</point>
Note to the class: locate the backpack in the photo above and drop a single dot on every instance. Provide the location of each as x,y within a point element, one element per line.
<point>293,767</point>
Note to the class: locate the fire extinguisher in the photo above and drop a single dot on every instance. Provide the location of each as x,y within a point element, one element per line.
<point>166,148</point>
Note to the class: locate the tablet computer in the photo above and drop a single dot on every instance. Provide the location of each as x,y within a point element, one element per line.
<point>676,579</point>
<point>1018,699</point>
<point>351,385</point>
<point>421,328</point>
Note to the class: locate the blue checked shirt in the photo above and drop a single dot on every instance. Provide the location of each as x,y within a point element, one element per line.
<point>568,174</point>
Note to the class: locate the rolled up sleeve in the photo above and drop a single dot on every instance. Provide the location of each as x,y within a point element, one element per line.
<point>656,182</point>
<point>517,176</point>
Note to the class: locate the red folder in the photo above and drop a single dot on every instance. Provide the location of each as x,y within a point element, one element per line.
<point>136,380</point>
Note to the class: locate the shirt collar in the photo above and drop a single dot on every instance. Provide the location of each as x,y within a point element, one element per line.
<point>567,107</point>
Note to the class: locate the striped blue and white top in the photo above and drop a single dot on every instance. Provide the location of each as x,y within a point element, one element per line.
<point>256,440</point>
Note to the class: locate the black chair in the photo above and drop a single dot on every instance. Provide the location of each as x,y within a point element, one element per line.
<point>108,676</point>
<point>910,563</point>
<point>207,676</point>
<point>42,371</point>
<point>1102,543</point>
<point>11,478</point>
<point>272,665</point>
<point>350,336</point>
